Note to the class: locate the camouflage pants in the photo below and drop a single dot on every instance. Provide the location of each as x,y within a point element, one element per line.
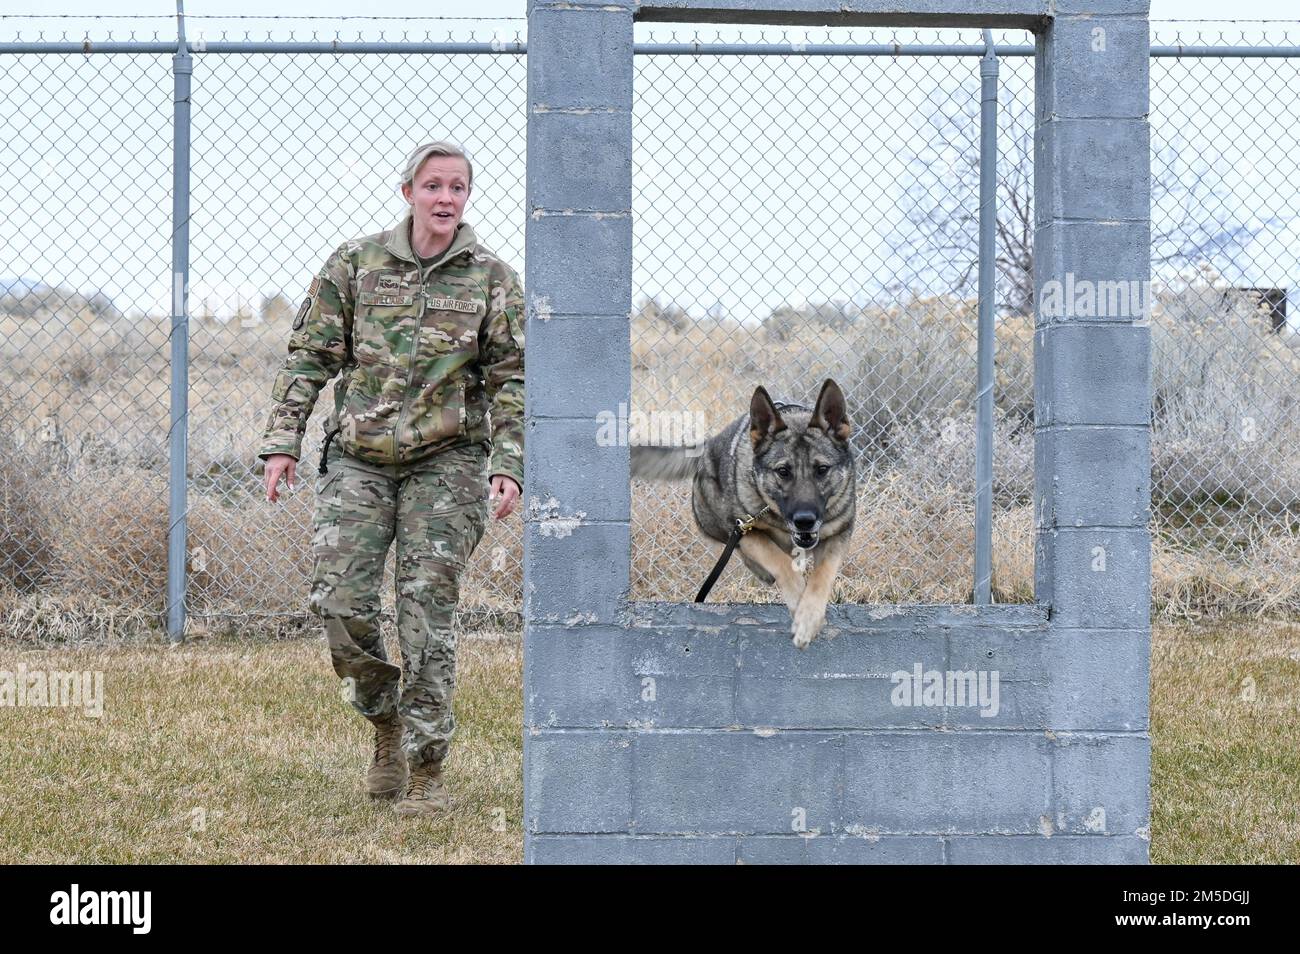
<point>437,509</point>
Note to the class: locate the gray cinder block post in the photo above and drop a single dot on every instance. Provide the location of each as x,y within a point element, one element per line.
<point>578,275</point>
<point>684,733</point>
<point>1091,368</point>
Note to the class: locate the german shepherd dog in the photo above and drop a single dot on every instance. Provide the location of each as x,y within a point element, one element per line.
<point>793,470</point>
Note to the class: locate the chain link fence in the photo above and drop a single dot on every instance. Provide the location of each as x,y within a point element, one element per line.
<point>832,231</point>
<point>85,207</point>
<point>293,153</point>
<point>1225,354</point>
<point>799,213</point>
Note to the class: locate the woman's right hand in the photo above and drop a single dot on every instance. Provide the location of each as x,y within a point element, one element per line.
<point>277,466</point>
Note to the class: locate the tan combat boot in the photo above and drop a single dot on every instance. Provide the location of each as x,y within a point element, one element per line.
<point>387,773</point>
<point>424,792</point>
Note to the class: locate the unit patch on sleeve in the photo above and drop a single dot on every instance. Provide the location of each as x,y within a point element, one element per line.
<point>301,317</point>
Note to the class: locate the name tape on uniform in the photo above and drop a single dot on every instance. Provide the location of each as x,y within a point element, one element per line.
<point>375,298</point>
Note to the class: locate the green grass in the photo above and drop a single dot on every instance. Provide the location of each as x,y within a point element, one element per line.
<point>238,751</point>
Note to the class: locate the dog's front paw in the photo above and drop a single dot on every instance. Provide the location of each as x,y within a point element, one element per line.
<point>807,624</point>
<point>793,596</point>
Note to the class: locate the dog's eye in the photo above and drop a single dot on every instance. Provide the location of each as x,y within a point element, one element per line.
<point>822,470</point>
<point>784,472</point>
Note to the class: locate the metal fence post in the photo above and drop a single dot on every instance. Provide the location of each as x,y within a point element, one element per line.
<point>987,275</point>
<point>182,67</point>
<point>1226,495</point>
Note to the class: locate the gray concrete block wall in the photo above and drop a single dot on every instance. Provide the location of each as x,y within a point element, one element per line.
<point>698,733</point>
<point>578,288</point>
<point>999,13</point>
<point>665,733</point>
<point>1092,414</point>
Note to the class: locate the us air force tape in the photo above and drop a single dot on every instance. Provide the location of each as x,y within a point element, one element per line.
<point>454,304</point>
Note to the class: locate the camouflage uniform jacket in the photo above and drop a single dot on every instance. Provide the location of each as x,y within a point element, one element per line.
<point>429,362</point>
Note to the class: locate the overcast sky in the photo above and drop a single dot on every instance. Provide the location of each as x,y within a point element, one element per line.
<point>1160,9</point>
<point>254,180</point>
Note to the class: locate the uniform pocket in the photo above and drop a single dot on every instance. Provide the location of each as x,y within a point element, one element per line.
<point>459,480</point>
<point>371,410</point>
<point>327,511</point>
<point>434,415</point>
<point>386,316</point>
<point>323,480</point>
<point>446,331</point>
<point>280,389</point>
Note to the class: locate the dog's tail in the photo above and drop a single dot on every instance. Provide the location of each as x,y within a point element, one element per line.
<point>651,462</point>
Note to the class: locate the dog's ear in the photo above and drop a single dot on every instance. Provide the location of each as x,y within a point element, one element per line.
<point>830,414</point>
<point>764,421</point>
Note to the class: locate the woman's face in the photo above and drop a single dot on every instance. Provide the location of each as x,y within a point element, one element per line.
<point>437,194</point>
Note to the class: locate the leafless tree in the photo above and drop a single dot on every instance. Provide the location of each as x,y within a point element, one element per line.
<point>938,241</point>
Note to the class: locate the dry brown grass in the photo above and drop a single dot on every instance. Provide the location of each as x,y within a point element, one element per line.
<point>1225,714</point>
<point>911,547</point>
<point>243,752</point>
<point>83,478</point>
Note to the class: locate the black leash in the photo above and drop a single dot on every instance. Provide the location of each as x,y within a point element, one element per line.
<point>741,528</point>
<point>325,449</point>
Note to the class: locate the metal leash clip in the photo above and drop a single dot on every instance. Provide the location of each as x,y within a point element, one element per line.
<point>746,525</point>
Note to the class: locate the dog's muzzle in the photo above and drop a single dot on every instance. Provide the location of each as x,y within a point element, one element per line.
<point>804,525</point>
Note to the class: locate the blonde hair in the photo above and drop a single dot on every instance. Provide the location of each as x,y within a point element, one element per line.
<point>441,148</point>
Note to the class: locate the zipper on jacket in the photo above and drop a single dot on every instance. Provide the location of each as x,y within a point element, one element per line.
<point>415,338</point>
<point>410,371</point>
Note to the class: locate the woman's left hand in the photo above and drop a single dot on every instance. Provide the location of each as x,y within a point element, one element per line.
<point>507,490</point>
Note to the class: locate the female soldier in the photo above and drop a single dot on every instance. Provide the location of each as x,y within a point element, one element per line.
<point>426,326</point>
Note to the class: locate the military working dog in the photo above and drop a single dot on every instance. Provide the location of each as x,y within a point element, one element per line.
<point>792,470</point>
